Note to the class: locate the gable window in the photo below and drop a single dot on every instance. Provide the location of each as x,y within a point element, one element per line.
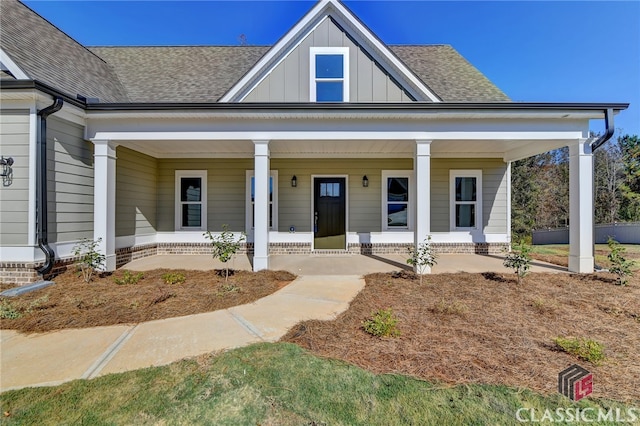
<point>397,200</point>
<point>273,200</point>
<point>329,74</point>
<point>466,199</point>
<point>191,200</point>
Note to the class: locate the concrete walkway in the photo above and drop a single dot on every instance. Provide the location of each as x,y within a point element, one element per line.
<point>57,357</point>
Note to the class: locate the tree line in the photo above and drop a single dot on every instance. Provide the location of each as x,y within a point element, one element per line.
<point>540,187</point>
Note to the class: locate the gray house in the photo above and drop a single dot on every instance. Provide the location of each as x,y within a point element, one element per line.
<point>329,140</point>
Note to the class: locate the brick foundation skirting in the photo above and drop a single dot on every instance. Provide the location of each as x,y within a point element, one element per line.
<point>25,273</point>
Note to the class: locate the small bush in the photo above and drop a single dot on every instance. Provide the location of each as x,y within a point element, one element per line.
<point>519,260</point>
<point>224,246</point>
<point>544,306</point>
<point>229,288</point>
<point>173,278</point>
<point>619,264</point>
<point>129,278</point>
<point>89,259</point>
<point>382,323</point>
<point>454,308</point>
<point>586,349</point>
<point>8,310</point>
<point>422,257</point>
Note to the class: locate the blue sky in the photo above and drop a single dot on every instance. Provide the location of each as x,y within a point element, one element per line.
<point>539,51</point>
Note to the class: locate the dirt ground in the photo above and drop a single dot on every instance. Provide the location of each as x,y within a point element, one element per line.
<point>485,328</point>
<point>72,303</point>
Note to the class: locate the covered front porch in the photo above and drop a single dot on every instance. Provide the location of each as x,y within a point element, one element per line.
<point>263,170</point>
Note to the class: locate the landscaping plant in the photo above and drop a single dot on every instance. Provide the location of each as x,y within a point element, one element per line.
<point>586,349</point>
<point>382,323</point>
<point>173,278</point>
<point>422,257</point>
<point>129,278</point>
<point>519,260</point>
<point>619,264</point>
<point>89,259</point>
<point>224,246</point>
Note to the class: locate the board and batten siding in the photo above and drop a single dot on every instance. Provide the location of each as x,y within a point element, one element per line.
<point>294,204</point>
<point>289,80</point>
<point>136,193</point>
<point>226,191</point>
<point>70,182</point>
<point>14,199</point>
<point>494,192</point>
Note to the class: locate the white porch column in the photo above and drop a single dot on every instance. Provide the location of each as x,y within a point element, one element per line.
<point>423,193</point>
<point>580,207</point>
<point>104,200</point>
<point>261,205</point>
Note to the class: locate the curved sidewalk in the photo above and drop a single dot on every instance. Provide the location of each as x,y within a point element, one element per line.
<point>57,357</point>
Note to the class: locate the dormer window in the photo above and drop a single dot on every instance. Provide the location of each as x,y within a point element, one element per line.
<point>329,74</point>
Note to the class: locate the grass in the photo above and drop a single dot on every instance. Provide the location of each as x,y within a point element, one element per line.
<point>273,384</point>
<point>559,253</point>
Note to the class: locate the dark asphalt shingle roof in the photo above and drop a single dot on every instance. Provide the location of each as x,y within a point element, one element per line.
<point>48,55</point>
<point>190,73</point>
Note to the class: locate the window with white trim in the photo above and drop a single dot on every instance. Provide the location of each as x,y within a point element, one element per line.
<point>329,69</point>
<point>191,200</point>
<point>466,199</point>
<point>397,200</point>
<point>273,200</point>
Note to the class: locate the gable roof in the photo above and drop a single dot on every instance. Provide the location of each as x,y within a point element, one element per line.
<point>48,55</point>
<point>194,74</point>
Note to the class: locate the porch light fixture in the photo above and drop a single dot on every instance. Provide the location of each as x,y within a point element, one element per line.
<point>365,181</point>
<point>294,181</point>
<point>7,171</point>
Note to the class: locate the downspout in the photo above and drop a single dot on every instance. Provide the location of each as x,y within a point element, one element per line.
<point>41,188</point>
<point>608,133</point>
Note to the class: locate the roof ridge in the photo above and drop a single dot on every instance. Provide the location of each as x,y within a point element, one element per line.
<point>60,30</point>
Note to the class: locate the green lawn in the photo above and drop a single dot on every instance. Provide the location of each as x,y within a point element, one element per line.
<point>632,252</point>
<point>273,384</point>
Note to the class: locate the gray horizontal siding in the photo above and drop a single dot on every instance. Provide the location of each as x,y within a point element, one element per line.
<point>70,181</point>
<point>494,192</point>
<point>14,199</point>
<point>136,193</point>
<point>289,80</point>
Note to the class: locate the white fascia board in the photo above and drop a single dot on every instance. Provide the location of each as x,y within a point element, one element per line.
<point>276,50</point>
<point>12,67</point>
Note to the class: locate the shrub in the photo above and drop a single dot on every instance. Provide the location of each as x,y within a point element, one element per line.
<point>173,278</point>
<point>619,264</point>
<point>89,259</point>
<point>129,278</point>
<point>8,310</point>
<point>224,246</point>
<point>586,349</point>
<point>229,288</point>
<point>519,260</point>
<point>382,323</point>
<point>422,257</point>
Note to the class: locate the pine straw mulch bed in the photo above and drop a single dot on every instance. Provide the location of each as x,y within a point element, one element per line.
<point>72,303</point>
<point>484,328</point>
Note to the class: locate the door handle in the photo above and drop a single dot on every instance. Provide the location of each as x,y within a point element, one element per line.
<point>315,222</point>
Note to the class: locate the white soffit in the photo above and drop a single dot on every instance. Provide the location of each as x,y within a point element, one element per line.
<point>305,26</point>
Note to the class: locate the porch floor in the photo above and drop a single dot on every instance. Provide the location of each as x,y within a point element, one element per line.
<point>347,264</point>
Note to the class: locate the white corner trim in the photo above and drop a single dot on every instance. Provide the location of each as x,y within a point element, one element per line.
<point>8,64</point>
<point>33,176</point>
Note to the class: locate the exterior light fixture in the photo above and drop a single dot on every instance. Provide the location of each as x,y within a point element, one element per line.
<point>7,171</point>
<point>365,181</point>
<point>294,181</point>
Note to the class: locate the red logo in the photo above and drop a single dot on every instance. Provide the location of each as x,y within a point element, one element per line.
<point>575,382</point>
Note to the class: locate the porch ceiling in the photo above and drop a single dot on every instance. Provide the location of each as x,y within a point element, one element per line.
<point>506,149</point>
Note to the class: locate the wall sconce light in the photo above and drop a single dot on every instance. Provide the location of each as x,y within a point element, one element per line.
<point>294,181</point>
<point>365,181</point>
<point>7,171</point>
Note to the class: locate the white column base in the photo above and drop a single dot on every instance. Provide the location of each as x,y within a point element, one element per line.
<point>581,265</point>
<point>260,263</point>
<point>110,263</point>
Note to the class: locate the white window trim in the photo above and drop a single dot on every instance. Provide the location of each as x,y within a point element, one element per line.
<point>453,174</point>
<point>249,210</point>
<point>386,174</point>
<point>202,174</point>
<point>344,51</point>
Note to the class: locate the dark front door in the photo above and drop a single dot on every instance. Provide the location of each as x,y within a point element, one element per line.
<point>329,209</point>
